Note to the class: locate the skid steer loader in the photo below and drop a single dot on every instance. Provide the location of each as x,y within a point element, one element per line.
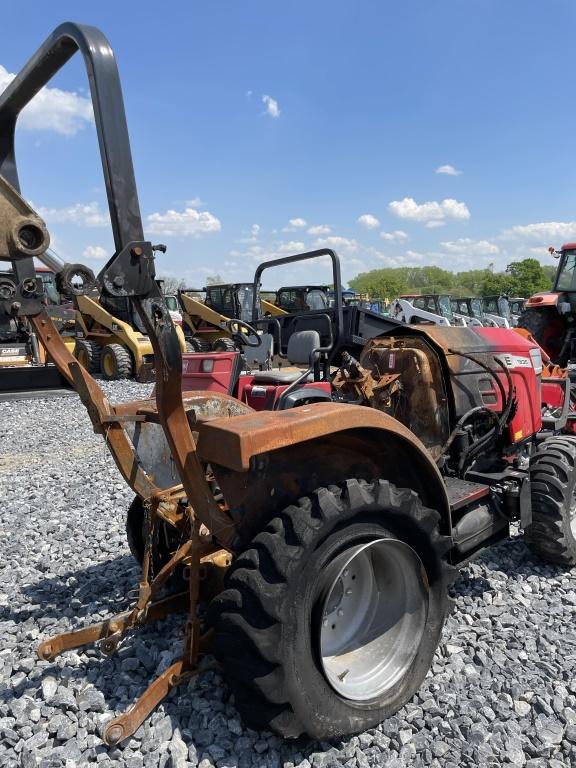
<point>25,370</point>
<point>111,339</point>
<point>206,321</point>
<point>496,310</point>
<point>339,525</point>
<point>433,308</point>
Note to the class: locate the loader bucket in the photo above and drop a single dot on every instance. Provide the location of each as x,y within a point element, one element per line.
<point>26,382</point>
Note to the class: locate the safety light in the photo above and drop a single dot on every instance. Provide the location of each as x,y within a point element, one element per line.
<point>207,366</point>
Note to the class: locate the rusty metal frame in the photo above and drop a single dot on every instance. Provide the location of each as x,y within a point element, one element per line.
<point>130,273</point>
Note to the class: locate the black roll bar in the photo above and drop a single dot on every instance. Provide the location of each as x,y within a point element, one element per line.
<point>337,280</point>
<point>106,93</point>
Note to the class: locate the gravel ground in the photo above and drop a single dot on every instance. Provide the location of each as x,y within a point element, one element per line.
<point>502,690</point>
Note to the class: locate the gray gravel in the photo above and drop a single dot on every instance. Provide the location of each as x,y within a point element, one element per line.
<point>502,690</point>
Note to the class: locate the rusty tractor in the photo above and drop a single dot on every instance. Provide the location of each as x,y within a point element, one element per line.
<point>338,525</point>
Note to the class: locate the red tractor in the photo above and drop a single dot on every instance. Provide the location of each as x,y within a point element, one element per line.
<point>321,540</point>
<point>549,316</point>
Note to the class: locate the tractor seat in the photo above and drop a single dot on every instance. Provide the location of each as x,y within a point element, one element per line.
<point>261,355</point>
<point>278,376</point>
<point>300,347</point>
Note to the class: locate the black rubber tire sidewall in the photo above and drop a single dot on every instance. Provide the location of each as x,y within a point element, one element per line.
<point>310,692</point>
<point>224,344</point>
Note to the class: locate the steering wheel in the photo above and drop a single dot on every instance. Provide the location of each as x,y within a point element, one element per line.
<point>238,330</point>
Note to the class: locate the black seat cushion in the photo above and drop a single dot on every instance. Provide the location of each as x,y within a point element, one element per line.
<point>278,377</point>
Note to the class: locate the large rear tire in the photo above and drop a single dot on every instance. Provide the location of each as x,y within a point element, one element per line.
<point>330,619</point>
<point>165,543</point>
<point>116,362</point>
<point>224,344</point>
<point>552,534</point>
<point>88,355</point>
<point>197,344</point>
<point>547,327</point>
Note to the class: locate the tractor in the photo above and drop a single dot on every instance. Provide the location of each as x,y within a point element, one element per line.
<point>322,537</point>
<point>550,316</point>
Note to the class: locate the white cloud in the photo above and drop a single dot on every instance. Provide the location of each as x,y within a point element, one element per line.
<point>52,109</point>
<point>432,213</point>
<point>396,236</point>
<point>293,246</point>
<point>83,214</point>
<point>467,247</point>
<point>368,221</point>
<point>297,223</point>
<point>254,233</point>
<point>320,229</point>
<point>344,244</point>
<point>95,252</point>
<point>272,107</point>
<point>186,223</point>
<point>550,231</point>
<point>448,170</point>
<point>195,202</point>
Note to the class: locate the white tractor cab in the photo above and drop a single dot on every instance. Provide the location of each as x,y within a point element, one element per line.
<point>497,311</point>
<point>468,310</point>
<point>516,309</point>
<point>431,309</point>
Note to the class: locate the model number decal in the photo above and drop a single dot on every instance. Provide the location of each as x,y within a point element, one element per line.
<point>514,361</point>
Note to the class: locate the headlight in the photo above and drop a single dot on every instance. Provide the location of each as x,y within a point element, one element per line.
<point>536,357</point>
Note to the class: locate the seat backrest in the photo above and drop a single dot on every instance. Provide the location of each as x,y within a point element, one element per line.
<point>301,344</point>
<point>261,355</point>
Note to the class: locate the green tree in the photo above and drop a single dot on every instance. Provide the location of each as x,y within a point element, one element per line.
<point>383,283</point>
<point>550,272</point>
<point>528,277</point>
<point>496,283</point>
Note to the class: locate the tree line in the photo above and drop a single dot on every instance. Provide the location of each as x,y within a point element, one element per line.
<point>520,278</point>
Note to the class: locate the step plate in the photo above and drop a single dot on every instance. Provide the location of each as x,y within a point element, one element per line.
<point>461,493</point>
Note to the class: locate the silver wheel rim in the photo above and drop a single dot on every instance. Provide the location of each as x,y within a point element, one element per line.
<point>374,603</point>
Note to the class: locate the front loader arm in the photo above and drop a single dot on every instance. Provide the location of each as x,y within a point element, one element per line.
<point>129,273</point>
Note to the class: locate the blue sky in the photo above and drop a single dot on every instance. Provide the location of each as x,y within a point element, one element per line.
<point>365,102</point>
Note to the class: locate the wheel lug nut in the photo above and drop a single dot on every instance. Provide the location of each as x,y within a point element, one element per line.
<point>345,572</point>
<point>348,591</point>
<point>340,612</point>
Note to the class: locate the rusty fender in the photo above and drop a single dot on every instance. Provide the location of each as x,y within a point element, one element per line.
<point>264,460</point>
